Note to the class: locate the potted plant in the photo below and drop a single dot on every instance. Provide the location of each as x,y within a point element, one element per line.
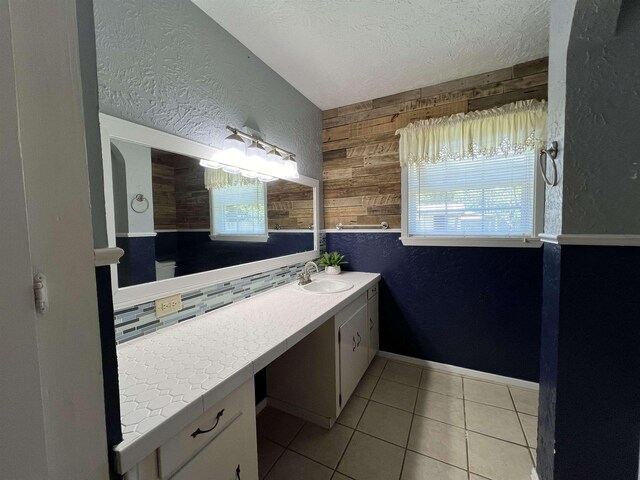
<point>331,262</point>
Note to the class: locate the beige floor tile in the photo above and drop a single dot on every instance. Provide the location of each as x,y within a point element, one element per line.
<point>494,421</point>
<point>268,453</point>
<point>438,440</point>
<point>366,386</point>
<point>368,458</point>
<point>488,393</point>
<point>441,383</point>
<point>534,454</point>
<point>322,445</point>
<point>473,476</point>
<point>352,411</point>
<point>278,426</point>
<point>339,476</point>
<point>376,366</point>
<point>419,467</point>
<point>395,394</point>
<point>526,400</point>
<point>387,423</point>
<point>530,426</point>
<point>402,373</point>
<point>292,466</point>
<point>440,407</point>
<point>497,459</point>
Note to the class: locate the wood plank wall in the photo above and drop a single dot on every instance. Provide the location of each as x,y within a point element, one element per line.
<point>289,205</point>
<point>361,173</point>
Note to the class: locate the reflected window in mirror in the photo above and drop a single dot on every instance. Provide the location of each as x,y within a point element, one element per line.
<point>250,220</point>
<point>238,206</point>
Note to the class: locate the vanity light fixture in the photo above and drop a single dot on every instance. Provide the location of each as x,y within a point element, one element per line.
<point>253,161</point>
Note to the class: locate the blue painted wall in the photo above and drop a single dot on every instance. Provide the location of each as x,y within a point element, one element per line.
<point>590,370</point>
<point>476,308</point>
<point>194,252</point>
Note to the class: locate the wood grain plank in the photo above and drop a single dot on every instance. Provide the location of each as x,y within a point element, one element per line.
<point>355,107</point>
<point>374,149</point>
<point>396,98</point>
<point>485,103</point>
<point>529,68</point>
<point>334,154</point>
<point>468,82</point>
<point>529,81</point>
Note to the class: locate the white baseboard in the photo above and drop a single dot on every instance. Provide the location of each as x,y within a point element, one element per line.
<point>443,367</point>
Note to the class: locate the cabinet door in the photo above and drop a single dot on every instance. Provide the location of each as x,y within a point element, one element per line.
<point>373,326</point>
<point>231,456</point>
<point>353,352</point>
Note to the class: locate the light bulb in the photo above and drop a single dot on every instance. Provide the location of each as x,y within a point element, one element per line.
<point>290,166</point>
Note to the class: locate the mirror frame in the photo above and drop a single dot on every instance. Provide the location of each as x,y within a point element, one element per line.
<point>113,127</point>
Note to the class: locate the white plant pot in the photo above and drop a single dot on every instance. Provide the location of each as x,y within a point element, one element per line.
<point>333,270</point>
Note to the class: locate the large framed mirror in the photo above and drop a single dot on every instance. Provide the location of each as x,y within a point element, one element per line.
<point>183,226</point>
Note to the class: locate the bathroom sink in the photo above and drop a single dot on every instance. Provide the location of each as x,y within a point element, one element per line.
<point>326,286</point>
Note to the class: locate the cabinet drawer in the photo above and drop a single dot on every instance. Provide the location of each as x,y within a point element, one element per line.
<point>373,291</point>
<point>193,438</point>
<point>224,458</point>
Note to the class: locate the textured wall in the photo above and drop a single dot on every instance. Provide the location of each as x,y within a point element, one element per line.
<point>165,64</point>
<point>561,15</point>
<point>477,308</point>
<point>361,164</point>
<point>602,175</point>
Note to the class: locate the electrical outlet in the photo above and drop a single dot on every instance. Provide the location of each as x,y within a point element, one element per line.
<point>167,305</point>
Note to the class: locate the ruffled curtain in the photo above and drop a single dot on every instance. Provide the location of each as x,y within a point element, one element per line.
<point>513,128</point>
<point>218,178</point>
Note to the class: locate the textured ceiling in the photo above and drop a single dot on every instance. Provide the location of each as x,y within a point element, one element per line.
<point>337,52</point>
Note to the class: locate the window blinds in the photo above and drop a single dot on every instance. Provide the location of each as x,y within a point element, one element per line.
<point>239,209</point>
<point>486,196</point>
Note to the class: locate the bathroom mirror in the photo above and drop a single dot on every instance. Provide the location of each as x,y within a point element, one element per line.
<point>183,226</point>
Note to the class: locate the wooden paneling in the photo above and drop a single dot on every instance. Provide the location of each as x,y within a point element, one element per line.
<point>289,205</point>
<point>361,174</point>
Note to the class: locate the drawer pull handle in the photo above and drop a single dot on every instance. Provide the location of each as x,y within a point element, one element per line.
<point>359,339</point>
<point>199,432</point>
<point>238,473</point>
<point>371,324</point>
<point>354,344</point>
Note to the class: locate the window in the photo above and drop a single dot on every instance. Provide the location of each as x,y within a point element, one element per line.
<point>238,212</point>
<point>471,179</point>
<point>486,196</point>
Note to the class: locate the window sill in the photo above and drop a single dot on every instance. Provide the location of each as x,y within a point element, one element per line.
<point>240,238</point>
<point>437,241</point>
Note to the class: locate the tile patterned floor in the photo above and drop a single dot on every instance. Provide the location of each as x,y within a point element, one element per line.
<point>408,423</point>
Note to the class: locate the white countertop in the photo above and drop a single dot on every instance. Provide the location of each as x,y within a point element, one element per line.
<point>169,378</point>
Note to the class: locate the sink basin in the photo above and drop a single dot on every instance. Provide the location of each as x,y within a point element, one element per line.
<point>326,286</point>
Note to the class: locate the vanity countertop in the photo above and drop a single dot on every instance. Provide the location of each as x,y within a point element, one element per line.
<point>171,377</point>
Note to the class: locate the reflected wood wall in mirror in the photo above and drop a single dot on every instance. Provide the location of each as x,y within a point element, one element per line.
<point>169,233</point>
<point>183,226</point>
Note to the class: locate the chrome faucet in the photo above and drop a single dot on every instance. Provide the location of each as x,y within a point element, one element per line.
<point>305,277</point>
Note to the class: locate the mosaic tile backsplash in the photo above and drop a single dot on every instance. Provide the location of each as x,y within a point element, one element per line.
<point>133,322</point>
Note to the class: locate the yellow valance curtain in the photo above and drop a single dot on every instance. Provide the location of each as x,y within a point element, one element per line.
<point>218,178</point>
<point>513,128</point>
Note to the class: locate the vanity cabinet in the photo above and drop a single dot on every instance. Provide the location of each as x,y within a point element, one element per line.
<point>315,378</point>
<point>220,444</point>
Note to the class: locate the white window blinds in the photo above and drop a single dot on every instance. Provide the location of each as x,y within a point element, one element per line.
<point>486,196</point>
<point>239,209</point>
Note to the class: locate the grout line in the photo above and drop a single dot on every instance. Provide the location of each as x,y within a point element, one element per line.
<point>404,457</point>
<point>526,440</point>
<point>466,432</point>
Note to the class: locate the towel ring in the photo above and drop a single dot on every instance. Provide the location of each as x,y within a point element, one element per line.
<point>545,154</point>
<point>141,199</point>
